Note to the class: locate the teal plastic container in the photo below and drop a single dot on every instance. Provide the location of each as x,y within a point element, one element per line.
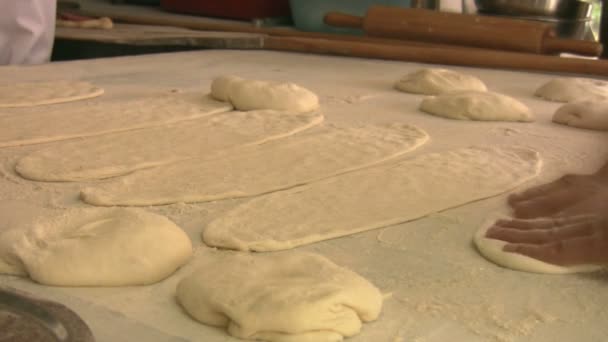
<point>308,14</point>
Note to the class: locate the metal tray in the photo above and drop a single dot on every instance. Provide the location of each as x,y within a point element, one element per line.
<point>25,318</point>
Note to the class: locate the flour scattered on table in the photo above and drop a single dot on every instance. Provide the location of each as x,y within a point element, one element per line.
<point>492,249</point>
<point>372,198</point>
<point>477,105</point>
<point>102,118</point>
<point>118,154</point>
<point>254,170</point>
<point>90,247</point>
<point>296,297</point>
<point>438,81</point>
<point>41,93</point>
<point>589,114</point>
<point>254,94</point>
<point>573,89</point>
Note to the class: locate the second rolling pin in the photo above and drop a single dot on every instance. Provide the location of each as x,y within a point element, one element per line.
<point>463,29</point>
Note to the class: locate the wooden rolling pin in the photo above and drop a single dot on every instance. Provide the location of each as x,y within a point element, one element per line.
<point>430,53</point>
<point>463,29</point>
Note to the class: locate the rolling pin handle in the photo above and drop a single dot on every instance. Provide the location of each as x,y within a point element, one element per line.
<point>343,20</point>
<point>581,47</point>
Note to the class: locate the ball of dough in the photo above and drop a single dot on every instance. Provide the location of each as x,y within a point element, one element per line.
<point>220,87</point>
<point>94,247</point>
<point>476,105</point>
<point>253,95</point>
<point>492,250</point>
<point>290,297</point>
<point>438,81</point>
<point>583,114</point>
<point>573,89</point>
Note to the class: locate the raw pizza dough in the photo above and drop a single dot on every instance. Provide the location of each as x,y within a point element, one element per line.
<point>122,153</point>
<point>259,169</point>
<point>491,249</point>
<point>253,94</point>
<point>102,118</point>
<point>90,247</point>
<point>438,81</point>
<point>584,114</point>
<point>573,89</point>
<point>295,297</point>
<point>476,105</point>
<point>41,93</point>
<point>372,198</point>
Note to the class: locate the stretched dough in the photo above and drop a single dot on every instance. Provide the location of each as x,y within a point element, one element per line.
<point>584,114</point>
<point>573,89</point>
<point>491,249</point>
<point>118,154</point>
<point>253,94</point>
<point>91,247</point>
<point>98,119</point>
<point>438,81</point>
<point>476,105</point>
<point>371,198</point>
<point>41,93</point>
<point>295,297</point>
<point>259,169</point>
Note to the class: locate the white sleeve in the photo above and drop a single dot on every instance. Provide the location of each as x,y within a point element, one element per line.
<point>27,30</point>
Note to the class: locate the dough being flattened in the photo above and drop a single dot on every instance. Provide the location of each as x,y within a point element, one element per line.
<point>294,297</point>
<point>589,114</point>
<point>573,89</point>
<point>491,249</point>
<point>91,247</point>
<point>253,94</point>
<point>118,154</point>
<point>438,81</point>
<point>254,170</point>
<point>102,118</point>
<point>477,105</point>
<point>41,93</point>
<point>372,198</point>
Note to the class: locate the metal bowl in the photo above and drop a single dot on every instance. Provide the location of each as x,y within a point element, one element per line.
<point>559,9</point>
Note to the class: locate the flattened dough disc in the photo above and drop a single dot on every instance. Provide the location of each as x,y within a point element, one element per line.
<point>101,118</point>
<point>491,249</point>
<point>41,93</point>
<point>371,198</point>
<point>254,170</point>
<point>118,154</point>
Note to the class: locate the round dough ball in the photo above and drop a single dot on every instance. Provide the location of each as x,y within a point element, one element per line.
<point>573,89</point>
<point>253,95</point>
<point>491,249</point>
<point>477,105</point>
<point>584,114</point>
<point>220,87</point>
<point>289,297</point>
<point>438,81</point>
<point>95,247</point>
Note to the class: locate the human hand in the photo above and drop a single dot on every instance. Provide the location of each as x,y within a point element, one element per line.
<point>564,241</point>
<point>569,195</point>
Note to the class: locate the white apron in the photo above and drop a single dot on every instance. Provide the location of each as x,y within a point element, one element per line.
<point>27,30</point>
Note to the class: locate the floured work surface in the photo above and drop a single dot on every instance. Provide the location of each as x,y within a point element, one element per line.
<point>440,288</point>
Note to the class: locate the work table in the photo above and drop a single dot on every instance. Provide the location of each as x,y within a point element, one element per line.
<point>436,286</point>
